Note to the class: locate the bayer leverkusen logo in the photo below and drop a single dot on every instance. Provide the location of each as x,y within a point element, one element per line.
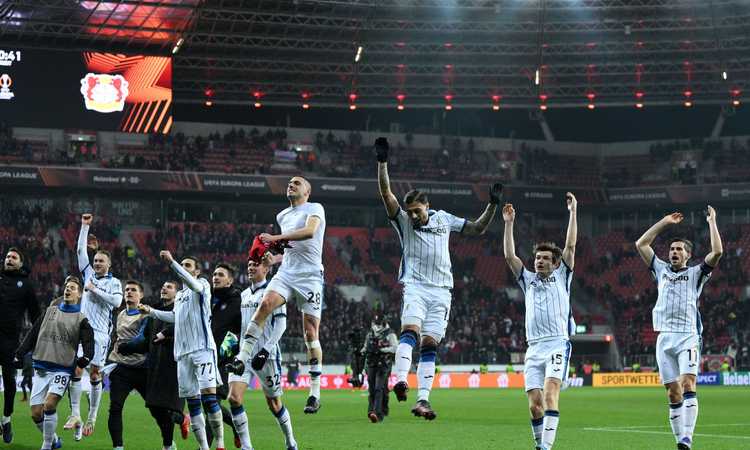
<point>104,93</point>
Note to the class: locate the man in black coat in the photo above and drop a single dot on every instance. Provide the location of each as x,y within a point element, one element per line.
<point>17,297</point>
<point>162,397</point>
<point>226,317</point>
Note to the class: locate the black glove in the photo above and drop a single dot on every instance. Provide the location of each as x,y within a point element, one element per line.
<point>125,348</point>
<point>496,193</point>
<point>82,362</point>
<point>259,360</point>
<point>381,149</point>
<point>236,367</point>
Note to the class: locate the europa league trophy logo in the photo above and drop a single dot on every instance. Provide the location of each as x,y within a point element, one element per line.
<point>5,84</point>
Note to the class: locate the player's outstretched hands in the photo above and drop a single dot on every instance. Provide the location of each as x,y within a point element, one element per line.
<point>496,193</point>
<point>166,255</point>
<point>711,214</point>
<point>570,199</point>
<point>86,219</point>
<point>674,218</point>
<point>236,367</point>
<point>82,362</point>
<point>259,360</point>
<point>266,238</point>
<point>144,309</point>
<point>381,149</point>
<point>509,214</point>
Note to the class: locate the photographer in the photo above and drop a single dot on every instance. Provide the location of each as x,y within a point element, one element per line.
<point>379,349</point>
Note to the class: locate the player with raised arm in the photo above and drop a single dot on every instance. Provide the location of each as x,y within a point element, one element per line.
<point>548,321</point>
<point>54,341</point>
<point>102,294</point>
<point>268,373</point>
<point>194,347</point>
<point>426,276</point>
<point>299,279</point>
<point>677,320</point>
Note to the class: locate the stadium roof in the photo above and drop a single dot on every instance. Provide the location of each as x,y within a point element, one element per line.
<point>423,53</point>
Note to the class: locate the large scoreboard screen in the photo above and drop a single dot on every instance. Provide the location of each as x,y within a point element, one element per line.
<point>90,90</point>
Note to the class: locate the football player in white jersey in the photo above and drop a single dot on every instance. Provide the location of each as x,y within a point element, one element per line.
<point>425,274</point>
<point>677,319</point>
<point>268,373</point>
<point>549,322</point>
<point>102,294</point>
<point>299,279</point>
<point>194,348</point>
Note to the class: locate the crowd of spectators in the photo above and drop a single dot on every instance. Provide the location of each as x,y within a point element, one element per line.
<point>240,151</point>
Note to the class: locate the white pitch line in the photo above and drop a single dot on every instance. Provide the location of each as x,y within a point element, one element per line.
<point>638,427</point>
<point>614,430</point>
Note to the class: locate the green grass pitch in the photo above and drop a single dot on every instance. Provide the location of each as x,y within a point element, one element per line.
<point>608,419</point>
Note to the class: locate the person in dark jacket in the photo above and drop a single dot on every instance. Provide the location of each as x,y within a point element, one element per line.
<point>17,297</point>
<point>225,318</point>
<point>54,340</point>
<point>130,373</point>
<point>162,397</point>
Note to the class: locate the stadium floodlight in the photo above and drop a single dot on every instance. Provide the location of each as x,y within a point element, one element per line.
<point>724,75</point>
<point>639,105</point>
<point>496,102</point>
<point>358,56</point>
<point>177,46</point>
<point>591,106</point>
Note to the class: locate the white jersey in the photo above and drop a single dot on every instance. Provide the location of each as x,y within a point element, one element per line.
<point>425,254</point>
<point>191,315</point>
<point>304,256</point>
<point>97,307</point>
<point>676,309</point>
<point>251,298</point>
<point>548,313</point>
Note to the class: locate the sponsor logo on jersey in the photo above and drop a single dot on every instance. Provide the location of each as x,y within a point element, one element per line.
<point>676,279</point>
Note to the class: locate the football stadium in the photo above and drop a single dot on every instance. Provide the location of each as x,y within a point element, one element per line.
<point>391,224</point>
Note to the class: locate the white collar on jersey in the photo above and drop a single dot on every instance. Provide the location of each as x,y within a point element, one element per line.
<point>254,287</point>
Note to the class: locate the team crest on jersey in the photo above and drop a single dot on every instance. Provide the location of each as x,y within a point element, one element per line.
<point>19,284</point>
<point>104,93</point>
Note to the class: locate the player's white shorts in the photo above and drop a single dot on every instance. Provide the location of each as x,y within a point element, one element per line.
<point>677,354</point>
<point>196,371</point>
<point>427,307</point>
<point>101,346</point>
<point>45,382</point>
<point>304,289</point>
<point>269,377</point>
<point>546,359</point>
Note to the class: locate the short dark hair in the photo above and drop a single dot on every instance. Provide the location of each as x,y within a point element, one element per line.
<point>137,283</point>
<point>194,259</point>
<point>73,279</point>
<point>228,267</point>
<point>177,283</point>
<point>17,251</point>
<point>104,252</point>
<point>416,196</point>
<point>687,242</point>
<point>548,247</point>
